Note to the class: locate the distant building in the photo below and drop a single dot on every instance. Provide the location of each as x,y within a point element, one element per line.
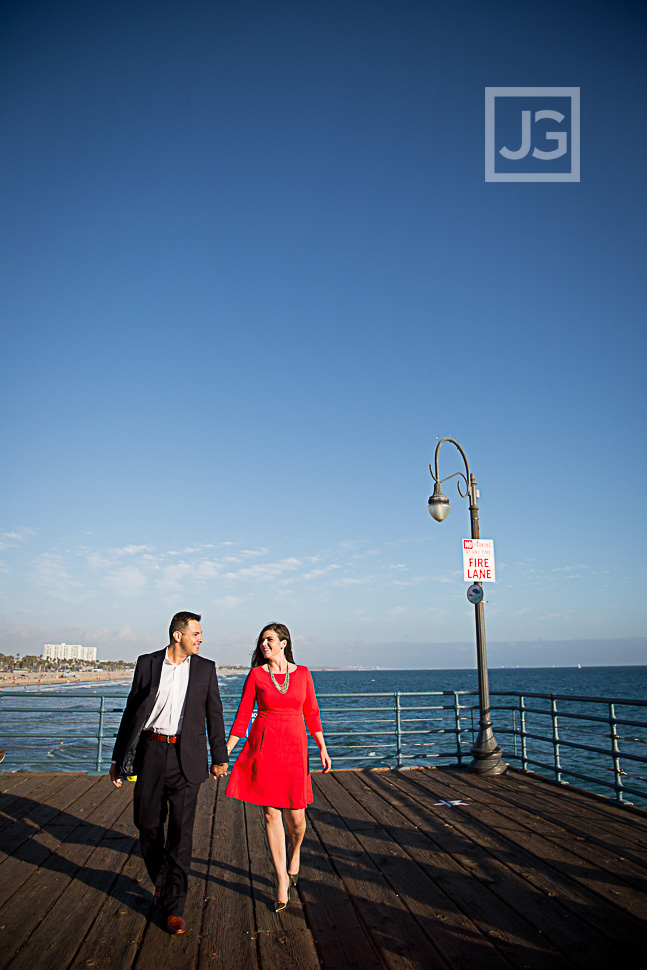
<point>68,651</point>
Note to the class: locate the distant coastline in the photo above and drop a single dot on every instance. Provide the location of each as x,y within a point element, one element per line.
<point>9,679</point>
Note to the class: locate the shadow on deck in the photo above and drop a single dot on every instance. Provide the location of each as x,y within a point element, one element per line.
<point>420,868</point>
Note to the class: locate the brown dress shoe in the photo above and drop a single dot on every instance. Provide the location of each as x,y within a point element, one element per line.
<point>175,924</point>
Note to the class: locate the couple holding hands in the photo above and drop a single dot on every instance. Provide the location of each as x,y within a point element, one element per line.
<point>162,740</point>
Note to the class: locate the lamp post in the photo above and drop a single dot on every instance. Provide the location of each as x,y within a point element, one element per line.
<point>486,751</point>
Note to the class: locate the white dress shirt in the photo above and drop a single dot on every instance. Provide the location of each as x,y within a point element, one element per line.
<point>168,711</point>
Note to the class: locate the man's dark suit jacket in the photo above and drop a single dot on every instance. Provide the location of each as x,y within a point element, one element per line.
<point>202,704</point>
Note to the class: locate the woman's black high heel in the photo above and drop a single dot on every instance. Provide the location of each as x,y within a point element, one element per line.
<point>279,907</point>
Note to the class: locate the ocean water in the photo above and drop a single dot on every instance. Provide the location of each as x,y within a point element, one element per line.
<point>55,729</point>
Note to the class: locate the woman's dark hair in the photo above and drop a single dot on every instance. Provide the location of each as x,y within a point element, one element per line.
<point>282,633</point>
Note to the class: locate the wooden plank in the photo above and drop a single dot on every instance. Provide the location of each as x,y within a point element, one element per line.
<point>513,844</point>
<point>380,864</point>
<point>455,933</point>
<point>72,843</point>
<point>159,948</point>
<point>559,846</point>
<point>514,936</point>
<point>113,940</point>
<point>523,883</point>
<point>340,937</point>
<point>593,837</point>
<point>284,941</point>
<point>561,806</point>
<point>395,933</point>
<point>35,844</point>
<point>16,802</point>
<point>632,820</point>
<point>30,814</point>
<point>76,908</point>
<point>228,937</point>
<point>23,782</point>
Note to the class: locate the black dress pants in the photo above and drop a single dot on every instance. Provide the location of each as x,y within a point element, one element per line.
<point>161,792</point>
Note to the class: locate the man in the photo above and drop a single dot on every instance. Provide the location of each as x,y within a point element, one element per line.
<point>162,740</point>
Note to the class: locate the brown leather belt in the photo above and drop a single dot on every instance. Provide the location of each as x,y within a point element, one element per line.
<point>166,738</point>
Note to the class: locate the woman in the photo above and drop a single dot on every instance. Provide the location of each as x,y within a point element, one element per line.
<point>272,770</point>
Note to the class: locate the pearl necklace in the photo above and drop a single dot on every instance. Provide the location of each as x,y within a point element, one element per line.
<point>281,689</point>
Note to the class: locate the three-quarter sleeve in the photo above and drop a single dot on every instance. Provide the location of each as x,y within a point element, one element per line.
<point>246,706</point>
<point>310,706</point>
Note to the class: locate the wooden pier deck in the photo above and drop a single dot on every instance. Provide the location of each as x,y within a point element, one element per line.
<point>421,868</point>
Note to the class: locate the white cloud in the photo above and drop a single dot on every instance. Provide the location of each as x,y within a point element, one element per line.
<point>323,571</point>
<point>97,561</point>
<point>352,581</point>
<point>9,540</point>
<point>173,576</point>
<point>266,571</point>
<point>52,575</point>
<point>229,602</point>
<point>206,571</point>
<point>130,550</point>
<point>127,581</point>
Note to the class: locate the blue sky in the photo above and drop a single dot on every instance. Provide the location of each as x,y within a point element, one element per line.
<point>251,272</point>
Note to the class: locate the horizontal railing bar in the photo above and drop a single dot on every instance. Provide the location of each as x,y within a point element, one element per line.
<point>343,734</point>
<point>574,774</point>
<point>608,752</point>
<point>409,693</point>
<point>381,727</point>
<point>635,702</point>
<point>409,757</point>
<point>363,720</point>
<point>595,718</point>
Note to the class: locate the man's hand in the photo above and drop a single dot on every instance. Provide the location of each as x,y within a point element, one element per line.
<point>219,771</point>
<point>114,777</point>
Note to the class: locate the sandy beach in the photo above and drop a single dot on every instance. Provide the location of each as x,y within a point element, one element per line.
<point>9,679</point>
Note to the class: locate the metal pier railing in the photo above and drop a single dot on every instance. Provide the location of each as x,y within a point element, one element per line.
<point>595,741</point>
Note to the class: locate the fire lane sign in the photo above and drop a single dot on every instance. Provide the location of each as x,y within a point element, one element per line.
<point>478,561</point>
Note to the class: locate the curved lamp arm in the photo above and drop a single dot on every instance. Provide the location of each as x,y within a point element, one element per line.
<point>467,477</point>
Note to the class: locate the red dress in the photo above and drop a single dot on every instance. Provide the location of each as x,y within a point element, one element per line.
<point>273,769</point>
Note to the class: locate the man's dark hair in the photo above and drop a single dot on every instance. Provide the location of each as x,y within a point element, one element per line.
<point>180,622</point>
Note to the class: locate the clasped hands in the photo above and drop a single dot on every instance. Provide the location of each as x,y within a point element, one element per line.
<point>219,771</point>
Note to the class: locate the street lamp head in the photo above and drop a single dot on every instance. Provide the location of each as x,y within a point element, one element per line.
<point>438,504</point>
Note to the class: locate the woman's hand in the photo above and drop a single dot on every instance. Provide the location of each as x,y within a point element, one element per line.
<point>326,763</point>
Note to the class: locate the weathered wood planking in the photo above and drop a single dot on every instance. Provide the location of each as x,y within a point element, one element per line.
<point>284,941</point>
<point>497,873</point>
<point>156,950</point>
<point>524,874</point>
<point>569,854</point>
<point>228,935</point>
<point>336,926</point>
<point>358,853</point>
<point>58,903</point>
<point>453,932</point>
<point>558,874</point>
